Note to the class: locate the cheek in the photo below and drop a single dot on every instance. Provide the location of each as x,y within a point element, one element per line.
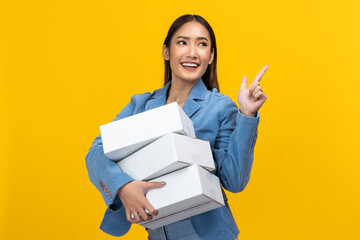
<point>175,51</point>
<point>206,54</point>
<point>174,64</point>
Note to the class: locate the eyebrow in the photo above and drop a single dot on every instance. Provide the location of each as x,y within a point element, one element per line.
<point>187,38</point>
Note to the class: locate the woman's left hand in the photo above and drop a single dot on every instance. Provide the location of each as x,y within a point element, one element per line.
<point>252,98</point>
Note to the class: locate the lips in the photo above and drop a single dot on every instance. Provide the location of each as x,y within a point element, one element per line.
<point>190,64</point>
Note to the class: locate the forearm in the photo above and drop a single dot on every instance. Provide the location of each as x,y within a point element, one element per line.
<point>104,173</point>
<point>235,161</point>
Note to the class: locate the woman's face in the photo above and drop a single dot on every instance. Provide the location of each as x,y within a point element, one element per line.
<point>190,52</point>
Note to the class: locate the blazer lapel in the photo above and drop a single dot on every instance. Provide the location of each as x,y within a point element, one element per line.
<point>198,92</point>
<point>159,98</point>
<point>191,105</point>
<point>155,102</point>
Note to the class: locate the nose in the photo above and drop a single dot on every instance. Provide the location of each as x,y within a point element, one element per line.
<point>191,51</point>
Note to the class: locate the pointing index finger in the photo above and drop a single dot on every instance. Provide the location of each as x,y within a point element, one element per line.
<point>261,73</point>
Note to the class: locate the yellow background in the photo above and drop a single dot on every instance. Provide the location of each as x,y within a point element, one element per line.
<point>69,66</point>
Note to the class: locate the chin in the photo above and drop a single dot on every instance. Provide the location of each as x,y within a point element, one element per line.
<point>187,76</point>
<point>190,77</point>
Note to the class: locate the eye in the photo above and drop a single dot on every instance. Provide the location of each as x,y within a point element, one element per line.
<point>203,44</point>
<point>181,42</point>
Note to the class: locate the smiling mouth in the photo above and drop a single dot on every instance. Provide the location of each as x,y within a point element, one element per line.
<point>190,65</point>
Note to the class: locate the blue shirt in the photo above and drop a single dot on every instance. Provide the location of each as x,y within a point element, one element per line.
<point>232,137</point>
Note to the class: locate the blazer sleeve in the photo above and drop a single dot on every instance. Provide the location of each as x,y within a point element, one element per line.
<point>105,174</point>
<point>234,146</point>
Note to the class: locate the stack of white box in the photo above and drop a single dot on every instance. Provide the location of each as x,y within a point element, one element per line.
<point>160,145</point>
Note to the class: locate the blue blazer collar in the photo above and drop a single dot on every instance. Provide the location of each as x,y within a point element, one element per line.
<point>198,92</point>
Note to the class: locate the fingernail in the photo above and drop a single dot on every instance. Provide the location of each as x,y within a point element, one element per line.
<point>162,183</point>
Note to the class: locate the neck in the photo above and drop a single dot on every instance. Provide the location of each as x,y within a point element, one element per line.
<point>179,91</point>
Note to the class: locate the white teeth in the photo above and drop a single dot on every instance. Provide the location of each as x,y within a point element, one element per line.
<point>190,64</point>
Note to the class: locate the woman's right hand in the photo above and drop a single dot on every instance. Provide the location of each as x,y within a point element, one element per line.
<point>132,196</point>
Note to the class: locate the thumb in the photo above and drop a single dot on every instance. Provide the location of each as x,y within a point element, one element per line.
<point>150,185</point>
<point>244,82</point>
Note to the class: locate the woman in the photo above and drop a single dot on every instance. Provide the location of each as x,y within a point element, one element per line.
<point>190,57</point>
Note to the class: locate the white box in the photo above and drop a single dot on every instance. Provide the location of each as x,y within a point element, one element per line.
<point>188,192</point>
<point>123,137</point>
<point>167,154</point>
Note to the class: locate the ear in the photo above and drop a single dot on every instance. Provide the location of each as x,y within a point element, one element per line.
<point>165,52</point>
<point>211,56</point>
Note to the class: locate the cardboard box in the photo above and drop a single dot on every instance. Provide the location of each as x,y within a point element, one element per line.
<point>188,192</point>
<point>123,137</point>
<point>167,154</point>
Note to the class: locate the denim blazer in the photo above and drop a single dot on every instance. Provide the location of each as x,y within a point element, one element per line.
<point>217,119</point>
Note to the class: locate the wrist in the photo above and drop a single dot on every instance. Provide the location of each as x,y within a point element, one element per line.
<point>122,187</point>
<point>247,114</point>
